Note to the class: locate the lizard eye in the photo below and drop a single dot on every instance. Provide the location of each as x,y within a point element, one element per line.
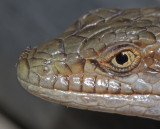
<point>122,59</point>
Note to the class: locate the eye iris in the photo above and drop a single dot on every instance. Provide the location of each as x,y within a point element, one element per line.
<point>121,58</point>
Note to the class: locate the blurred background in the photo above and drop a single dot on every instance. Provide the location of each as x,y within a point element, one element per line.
<point>31,22</point>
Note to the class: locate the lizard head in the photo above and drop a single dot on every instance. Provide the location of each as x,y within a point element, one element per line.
<point>103,61</point>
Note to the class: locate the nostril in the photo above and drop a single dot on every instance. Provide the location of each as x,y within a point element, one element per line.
<point>25,53</point>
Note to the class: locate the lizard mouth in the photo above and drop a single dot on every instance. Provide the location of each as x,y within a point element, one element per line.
<point>76,83</point>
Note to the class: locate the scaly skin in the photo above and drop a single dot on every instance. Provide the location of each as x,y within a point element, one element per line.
<point>79,68</point>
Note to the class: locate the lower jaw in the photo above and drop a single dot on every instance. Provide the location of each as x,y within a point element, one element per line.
<point>147,105</point>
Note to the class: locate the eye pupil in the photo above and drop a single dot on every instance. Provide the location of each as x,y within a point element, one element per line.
<point>121,58</point>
